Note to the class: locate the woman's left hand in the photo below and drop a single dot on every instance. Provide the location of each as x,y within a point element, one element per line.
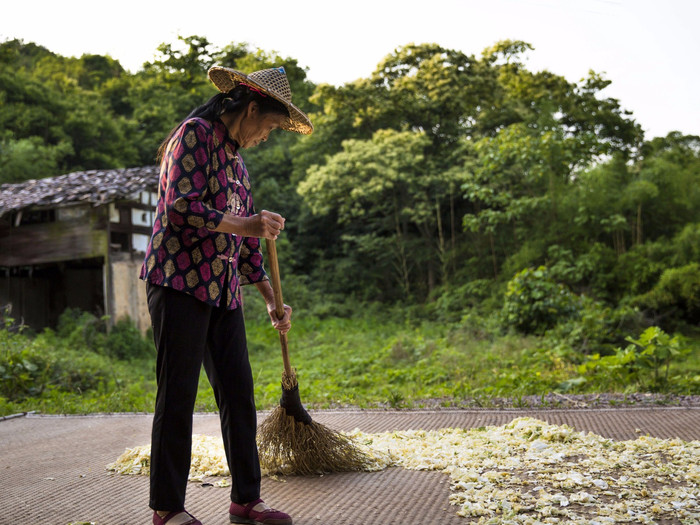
<point>284,324</point>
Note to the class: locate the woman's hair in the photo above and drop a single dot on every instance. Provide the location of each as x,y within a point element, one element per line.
<point>234,101</point>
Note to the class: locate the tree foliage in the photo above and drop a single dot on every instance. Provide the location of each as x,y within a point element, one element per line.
<point>438,175</point>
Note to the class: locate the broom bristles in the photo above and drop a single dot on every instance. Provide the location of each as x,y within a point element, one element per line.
<point>287,446</point>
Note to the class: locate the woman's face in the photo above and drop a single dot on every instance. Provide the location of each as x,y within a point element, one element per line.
<point>255,127</point>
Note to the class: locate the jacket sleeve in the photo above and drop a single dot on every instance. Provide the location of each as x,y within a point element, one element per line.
<point>250,262</point>
<point>188,203</point>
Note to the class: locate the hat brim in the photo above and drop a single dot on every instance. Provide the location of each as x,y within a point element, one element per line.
<point>225,79</point>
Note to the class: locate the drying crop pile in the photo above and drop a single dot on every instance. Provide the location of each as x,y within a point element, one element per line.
<point>208,460</point>
<point>527,471</point>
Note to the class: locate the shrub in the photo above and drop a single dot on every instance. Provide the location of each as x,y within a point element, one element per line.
<point>78,372</point>
<point>451,303</point>
<point>589,273</point>
<point>686,245</point>
<point>30,366</point>
<point>645,362</point>
<point>23,371</point>
<point>82,329</point>
<point>677,294</point>
<point>534,301</point>
<point>74,360</point>
<point>595,328</point>
<point>639,268</point>
<point>124,341</point>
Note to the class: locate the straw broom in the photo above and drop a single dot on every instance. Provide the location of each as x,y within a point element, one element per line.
<point>289,441</point>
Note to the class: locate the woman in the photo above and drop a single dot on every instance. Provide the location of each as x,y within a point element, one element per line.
<point>205,243</point>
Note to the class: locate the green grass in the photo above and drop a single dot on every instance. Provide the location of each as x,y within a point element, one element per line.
<point>375,358</point>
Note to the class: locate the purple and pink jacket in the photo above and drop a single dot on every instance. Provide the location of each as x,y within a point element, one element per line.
<point>201,178</point>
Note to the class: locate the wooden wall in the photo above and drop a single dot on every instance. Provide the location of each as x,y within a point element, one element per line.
<point>39,294</point>
<point>82,238</point>
<point>77,256</point>
<point>46,267</point>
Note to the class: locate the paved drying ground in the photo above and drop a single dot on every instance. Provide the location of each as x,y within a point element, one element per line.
<point>52,468</point>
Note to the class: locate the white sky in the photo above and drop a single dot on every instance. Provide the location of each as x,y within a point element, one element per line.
<point>650,49</point>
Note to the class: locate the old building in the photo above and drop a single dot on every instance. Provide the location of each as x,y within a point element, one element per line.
<point>76,241</point>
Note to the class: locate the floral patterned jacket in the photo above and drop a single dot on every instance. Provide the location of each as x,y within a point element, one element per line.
<point>201,178</point>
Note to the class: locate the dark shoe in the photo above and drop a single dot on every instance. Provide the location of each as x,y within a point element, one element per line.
<point>157,520</point>
<point>245,514</point>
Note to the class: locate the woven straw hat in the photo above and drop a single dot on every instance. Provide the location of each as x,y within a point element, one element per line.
<point>272,82</point>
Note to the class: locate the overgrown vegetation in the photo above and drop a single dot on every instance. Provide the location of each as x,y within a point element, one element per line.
<point>378,357</point>
<point>456,226</point>
<point>80,367</point>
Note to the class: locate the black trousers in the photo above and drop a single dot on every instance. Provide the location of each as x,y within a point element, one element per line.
<point>187,333</point>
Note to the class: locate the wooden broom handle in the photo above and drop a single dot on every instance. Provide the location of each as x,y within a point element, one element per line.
<point>279,303</point>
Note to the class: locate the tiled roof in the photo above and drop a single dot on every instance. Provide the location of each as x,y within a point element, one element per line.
<point>93,186</point>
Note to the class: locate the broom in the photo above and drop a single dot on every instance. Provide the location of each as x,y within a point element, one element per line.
<point>289,441</point>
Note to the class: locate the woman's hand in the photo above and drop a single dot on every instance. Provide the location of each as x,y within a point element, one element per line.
<point>266,225</point>
<point>284,324</point>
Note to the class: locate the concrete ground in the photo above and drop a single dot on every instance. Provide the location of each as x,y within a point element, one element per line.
<point>52,468</point>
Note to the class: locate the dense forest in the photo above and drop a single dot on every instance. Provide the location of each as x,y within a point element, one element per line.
<point>443,183</point>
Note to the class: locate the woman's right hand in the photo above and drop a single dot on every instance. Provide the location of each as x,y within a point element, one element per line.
<point>266,225</point>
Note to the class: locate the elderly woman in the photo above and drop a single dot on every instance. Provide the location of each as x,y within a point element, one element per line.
<point>205,243</point>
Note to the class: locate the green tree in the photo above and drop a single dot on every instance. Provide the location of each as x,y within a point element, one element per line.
<point>381,193</point>
<point>183,66</point>
<point>29,158</point>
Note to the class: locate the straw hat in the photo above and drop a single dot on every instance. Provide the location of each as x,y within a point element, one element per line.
<point>272,82</point>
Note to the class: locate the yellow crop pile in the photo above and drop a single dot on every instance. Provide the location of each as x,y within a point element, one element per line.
<point>525,472</point>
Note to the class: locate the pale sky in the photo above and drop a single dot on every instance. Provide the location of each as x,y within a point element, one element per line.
<point>649,49</point>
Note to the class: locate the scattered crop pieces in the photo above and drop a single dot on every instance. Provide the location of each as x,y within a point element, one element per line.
<point>525,472</point>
